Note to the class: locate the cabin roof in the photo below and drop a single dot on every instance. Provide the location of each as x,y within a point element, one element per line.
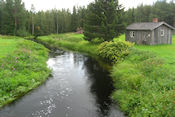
<point>147,26</point>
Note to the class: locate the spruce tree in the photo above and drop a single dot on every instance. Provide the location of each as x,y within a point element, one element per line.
<point>1,11</point>
<point>74,19</point>
<point>103,20</point>
<point>7,18</point>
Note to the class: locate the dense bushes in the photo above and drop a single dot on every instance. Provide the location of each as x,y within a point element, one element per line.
<point>144,86</point>
<point>114,51</point>
<point>22,70</point>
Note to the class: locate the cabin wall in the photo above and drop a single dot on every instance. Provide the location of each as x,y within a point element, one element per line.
<point>163,39</point>
<point>140,37</point>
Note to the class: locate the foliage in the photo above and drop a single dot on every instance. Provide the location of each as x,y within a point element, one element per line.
<point>161,9</point>
<point>22,33</point>
<point>103,20</point>
<point>16,20</point>
<point>114,51</point>
<point>22,69</point>
<point>144,85</point>
<point>71,41</point>
<point>13,17</point>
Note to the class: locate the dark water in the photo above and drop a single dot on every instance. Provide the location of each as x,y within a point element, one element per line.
<point>79,88</point>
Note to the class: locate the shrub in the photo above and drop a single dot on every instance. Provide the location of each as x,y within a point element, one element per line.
<point>114,51</point>
<point>22,33</point>
<point>97,41</point>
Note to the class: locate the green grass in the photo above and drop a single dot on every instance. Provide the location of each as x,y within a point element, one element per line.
<point>22,67</point>
<point>144,81</point>
<point>166,52</point>
<point>7,44</point>
<point>69,41</point>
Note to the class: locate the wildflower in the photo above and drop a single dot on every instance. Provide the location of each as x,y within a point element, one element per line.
<point>2,66</point>
<point>13,69</point>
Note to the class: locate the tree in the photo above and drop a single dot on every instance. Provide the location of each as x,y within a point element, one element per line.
<point>32,15</point>
<point>1,13</point>
<point>20,18</point>
<point>74,19</point>
<point>103,20</point>
<point>13,17</point>
<point>7,18</point>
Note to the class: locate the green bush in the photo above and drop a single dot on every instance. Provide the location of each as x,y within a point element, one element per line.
<point>114,51</point>
<point>97,41</point>
<point>22,33</point>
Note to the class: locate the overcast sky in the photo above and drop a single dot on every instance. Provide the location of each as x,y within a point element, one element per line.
<point>59,4</point>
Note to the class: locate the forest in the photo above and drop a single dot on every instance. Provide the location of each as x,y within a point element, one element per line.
<point>16,20</point>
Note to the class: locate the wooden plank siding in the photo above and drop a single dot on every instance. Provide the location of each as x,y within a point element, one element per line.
<point>151,37</point>
<point>166,39</point>
<point>141,37</point>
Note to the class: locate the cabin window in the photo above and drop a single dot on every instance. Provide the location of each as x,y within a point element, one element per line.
<point>162,32</point>
<point>132,34</point>
<point>149,35</point>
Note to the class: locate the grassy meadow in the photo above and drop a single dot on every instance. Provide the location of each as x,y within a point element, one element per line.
<point>166,52</point>
<point>22,67</point>
<point>144,80</point>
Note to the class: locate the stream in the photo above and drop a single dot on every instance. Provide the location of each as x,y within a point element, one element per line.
<point>78,87</point>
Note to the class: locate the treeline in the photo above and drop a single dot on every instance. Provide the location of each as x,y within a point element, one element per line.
<point>105,17</point>
<point>16,20</point>
<point>163,10</point>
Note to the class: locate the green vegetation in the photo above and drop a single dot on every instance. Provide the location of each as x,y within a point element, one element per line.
<point>22,67</point>
<point>114,51</point>
<point>103,19</point>
<point>7,45</point>
<point>144,76</point>
<point>161,9</point>
<point>144,85</point>
<point>144,81</point>
<point>69,41</point>
<point>15,19</point>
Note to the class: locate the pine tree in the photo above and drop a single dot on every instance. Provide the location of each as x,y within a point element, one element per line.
<point>20,17</point>
<point>103,20</point>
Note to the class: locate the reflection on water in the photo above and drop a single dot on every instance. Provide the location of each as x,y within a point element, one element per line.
<point>79,87</point>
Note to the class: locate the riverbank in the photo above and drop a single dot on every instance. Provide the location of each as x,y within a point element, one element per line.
<point>22,67</point>
<point>144,81</point>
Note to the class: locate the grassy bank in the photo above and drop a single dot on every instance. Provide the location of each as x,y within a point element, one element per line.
<point>22,67</point>
<point>144,81</point>
<point>69,41</point>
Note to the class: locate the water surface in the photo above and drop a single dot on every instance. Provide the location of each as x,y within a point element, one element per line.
<point>79,87</point>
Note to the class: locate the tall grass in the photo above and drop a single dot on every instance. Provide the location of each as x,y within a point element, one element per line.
<point>144,85</point>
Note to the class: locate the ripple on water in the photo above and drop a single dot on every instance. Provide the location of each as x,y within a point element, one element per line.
<point>59,91</point>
